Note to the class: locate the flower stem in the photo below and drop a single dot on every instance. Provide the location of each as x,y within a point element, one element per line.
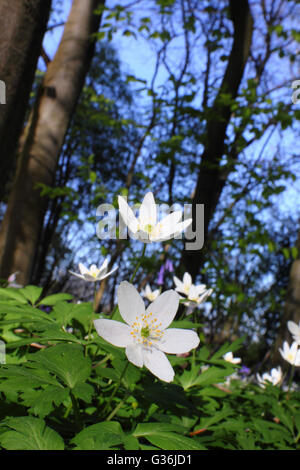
<point>93,312</point>
<point>138,264</point>
<point>291,377</point>
<point>116,409</point>
<point>73,404</point>
<point>116,388</point>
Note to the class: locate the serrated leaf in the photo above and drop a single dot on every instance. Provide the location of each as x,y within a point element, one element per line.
<point>100,436</point>
<point>54,298</point>
<point>66,361</point>
<point>165,436</point>
<point>29,433</point>
<point>12,293</point>
<point>32,293</point>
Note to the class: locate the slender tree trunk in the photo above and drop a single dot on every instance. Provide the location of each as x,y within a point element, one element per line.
<point>23,24</point>
<point>292,306</point>
<point>43,138</point>
<point>211,178</point>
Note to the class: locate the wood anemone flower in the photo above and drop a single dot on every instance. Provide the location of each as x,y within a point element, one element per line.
<point>145,227</point>
<point>229,358</point>
<point>294,330</point>
<point>274,377</point>
<point>291,353</point>
<point>93,274</point>
<point>145,335</point>
<point>150,294</point>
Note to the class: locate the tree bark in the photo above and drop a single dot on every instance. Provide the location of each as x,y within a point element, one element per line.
<point>23,24</point>
<point>291,309</point>
<point>211,177</point>
<point>43,139</point>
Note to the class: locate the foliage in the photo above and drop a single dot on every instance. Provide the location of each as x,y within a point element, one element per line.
<point>57,385</point>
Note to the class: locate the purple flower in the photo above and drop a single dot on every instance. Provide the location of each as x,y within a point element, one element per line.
<point>244,370</point>
<point>169,266</point>
<point>160,279</point>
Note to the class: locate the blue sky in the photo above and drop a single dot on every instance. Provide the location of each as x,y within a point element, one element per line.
<point>137,58</point>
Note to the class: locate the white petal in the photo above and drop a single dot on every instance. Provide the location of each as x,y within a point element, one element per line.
<point>236,360</point>
<point>178,341</point>
<point>170,221</point>
<point>178,284</point>
<point>148,213</point>
<point>187,279</point>
<point>297,358</point>
<point>114,332</point>
<point>103,267</point>
<point>100,276</point>
<point>157,362</point>
<point>200,288</point>
<point>181,227</point>
<point>127,214</point>
<point>88,277</point>
<point>293,327</point>
<point>165,229</point>
<point>164,307</point>
<point>77,275</point>
<point>134,354</point>
<point>82,269</point>
<point>142,236</point>
<point>294,348</point>
<point>131,304</point>
<point>228,356</point>
<point>93,269</point>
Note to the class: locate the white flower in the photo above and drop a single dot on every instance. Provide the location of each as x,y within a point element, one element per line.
<point>295,331</point>
<point>146,228</point>
<point>93,274</point>
<point>196,294</point>
<point>146,335</point>
<point>12,281</point>
<point>184,285</point>
<point>195,297</point>
<point>150,294</point>
<point>229,358</point>
<point>274,377</point>
<point>291,353</point>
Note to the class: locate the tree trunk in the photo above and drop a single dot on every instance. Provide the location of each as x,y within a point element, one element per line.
<point>23,24</point>
<point>211,178</point>
<point>43,138</point>
<point>292,307</point>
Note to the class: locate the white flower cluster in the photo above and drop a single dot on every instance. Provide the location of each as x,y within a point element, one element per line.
<point>292,353</point>
<point>145,334</point>
<point>289,353</point>
<point>195,294</point>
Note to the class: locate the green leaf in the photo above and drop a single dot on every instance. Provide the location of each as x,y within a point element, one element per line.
<point>32,293</point>
<point>213,375</point>
<point>246,441</point>
<point>165,436</point>
<point>29,433</point>
<point>84,392</point>
<point>42,402</point>
<point>66,361</point>
<point>54,298</point>
<point>12,293</point>
<point>216,417</point>
<point>100,436</point>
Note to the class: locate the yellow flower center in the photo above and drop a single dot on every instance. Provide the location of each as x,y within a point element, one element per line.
<point>148,228</point>
<point>146,330</point>
<point>291,357</point>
